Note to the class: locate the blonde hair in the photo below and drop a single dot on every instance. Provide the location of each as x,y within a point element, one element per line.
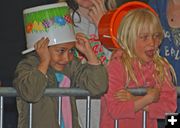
<point>134,22</point>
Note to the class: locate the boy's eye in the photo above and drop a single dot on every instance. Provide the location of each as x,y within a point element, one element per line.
<point>72,50</point>
<point>62,50</point>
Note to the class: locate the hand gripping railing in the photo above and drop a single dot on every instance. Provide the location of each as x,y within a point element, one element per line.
<point>58,92</point>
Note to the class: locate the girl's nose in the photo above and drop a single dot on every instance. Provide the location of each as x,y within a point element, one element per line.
<point>152,41</point>
<point>155,39</point>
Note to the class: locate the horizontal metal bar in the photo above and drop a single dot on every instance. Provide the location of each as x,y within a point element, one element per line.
<point>143,91</point>
<point>138,91</point>
<point>11,91</point>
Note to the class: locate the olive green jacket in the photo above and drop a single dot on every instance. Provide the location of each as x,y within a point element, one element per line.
<point>31,84</point>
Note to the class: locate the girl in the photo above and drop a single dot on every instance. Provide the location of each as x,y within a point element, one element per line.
<point>40,70</point>
<point>137,64</point>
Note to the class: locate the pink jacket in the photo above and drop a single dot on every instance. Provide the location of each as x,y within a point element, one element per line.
<point>112,109</point>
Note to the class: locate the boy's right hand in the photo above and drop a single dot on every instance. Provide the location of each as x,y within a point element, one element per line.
<point>42,50</point>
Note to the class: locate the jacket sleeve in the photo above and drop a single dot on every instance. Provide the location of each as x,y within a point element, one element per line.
<point>90,77</point>
<point>167,102</point>
<point>117,81</point>
<point>29,82</point>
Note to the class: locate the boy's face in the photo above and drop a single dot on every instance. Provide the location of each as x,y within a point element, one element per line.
<point>61,55</point>
<point>147,45</point>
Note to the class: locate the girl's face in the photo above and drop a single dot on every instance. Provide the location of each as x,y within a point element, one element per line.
<point>85,3</point>
<point>61,55</point>
<point>146,46</point>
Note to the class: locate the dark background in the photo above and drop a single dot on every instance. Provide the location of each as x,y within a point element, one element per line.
<point>12,43</point>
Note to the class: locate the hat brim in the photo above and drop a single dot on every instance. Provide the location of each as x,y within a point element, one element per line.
<point>50,44</point>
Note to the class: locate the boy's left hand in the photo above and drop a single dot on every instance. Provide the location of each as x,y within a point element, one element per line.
<point>84,47</point>
<point>82,43</point>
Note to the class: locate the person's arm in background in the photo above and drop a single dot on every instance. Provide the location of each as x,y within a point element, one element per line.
<point>100,8</point>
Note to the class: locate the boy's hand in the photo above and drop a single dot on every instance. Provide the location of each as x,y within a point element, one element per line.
<point>42,50</point>
<point>84,47</point>
<point>82,44</point>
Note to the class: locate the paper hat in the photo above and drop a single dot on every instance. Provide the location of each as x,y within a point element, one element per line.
<point>52,21</point>
<point>109,23</point>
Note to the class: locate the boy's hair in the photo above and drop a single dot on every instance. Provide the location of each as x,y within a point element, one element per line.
<point>135,22</point>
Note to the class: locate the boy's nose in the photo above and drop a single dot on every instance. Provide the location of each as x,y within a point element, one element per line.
<point>67,57</point>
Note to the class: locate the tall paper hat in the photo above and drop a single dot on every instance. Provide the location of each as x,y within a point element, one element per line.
<point>52,21</point>
<point>109,23</point>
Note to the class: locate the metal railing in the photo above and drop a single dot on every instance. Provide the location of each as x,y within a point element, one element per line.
<point>58,92</point>
<point>55,92</point>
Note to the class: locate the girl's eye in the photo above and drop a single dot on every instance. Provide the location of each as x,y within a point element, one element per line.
<point>157,36</point>
<point>144,37</point>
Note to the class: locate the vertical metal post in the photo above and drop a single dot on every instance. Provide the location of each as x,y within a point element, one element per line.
<point>30,115</point>
<point>59,109</point>
<point>1,112</point>
<point>116,124</point>
<point>88,112</point>
<point>144,119</point>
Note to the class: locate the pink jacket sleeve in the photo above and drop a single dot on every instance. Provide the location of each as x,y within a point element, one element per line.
<point>117,81</point>
<point>167,102</point>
